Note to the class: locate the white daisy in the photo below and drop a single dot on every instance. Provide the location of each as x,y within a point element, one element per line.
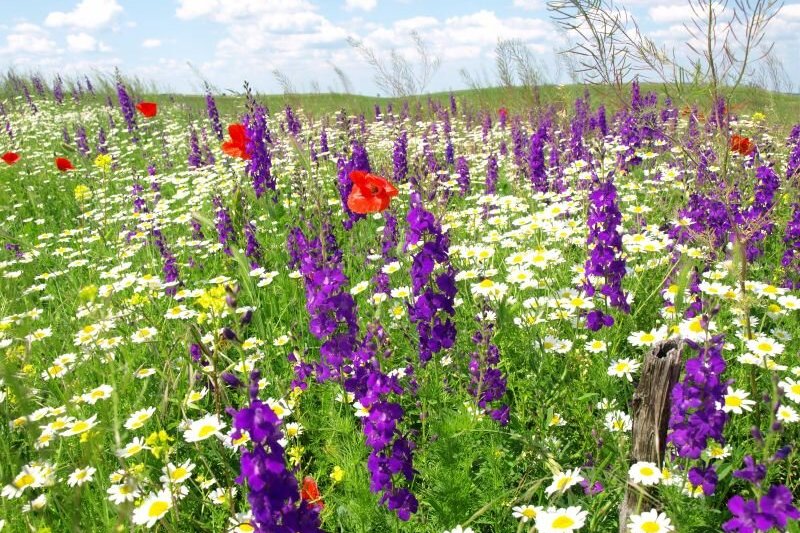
<point>560,520</point>
<point>736,401</point>
<point>650,522</point>
<point>564,480</point>
<point>155,506</point>
<point>80,476</point>
<point>208,426</point>
<point>526,512</point>
<point>791,388</point>
<point>645,473</point>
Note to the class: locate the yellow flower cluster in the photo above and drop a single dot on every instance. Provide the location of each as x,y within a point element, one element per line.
<point>213,299</point>
<point>82,192</point>
<point>103,162</point>
<point>158,441</point>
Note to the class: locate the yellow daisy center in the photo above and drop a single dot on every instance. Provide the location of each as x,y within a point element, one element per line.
<point>80,426</point>
<point>563,522</point>
<point>23,481</point>
<point>207,430</point>
<point>158,508</point>
<point>733,401</point>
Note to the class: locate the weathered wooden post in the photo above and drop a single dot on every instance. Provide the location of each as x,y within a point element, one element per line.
<point>651,407</point>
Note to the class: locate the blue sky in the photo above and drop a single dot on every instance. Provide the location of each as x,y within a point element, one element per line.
<point>229,41</point>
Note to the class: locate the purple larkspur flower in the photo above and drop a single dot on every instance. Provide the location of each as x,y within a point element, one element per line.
<point>694,413</point>
<point>605,260</point>
<point>274,495</point>
<point>259,166</point>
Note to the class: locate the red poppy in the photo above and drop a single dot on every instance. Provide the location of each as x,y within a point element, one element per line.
<point>63,164</point>
<point>370,193</point>
<point>742,145</point>
<point>502,113</point>
<point>237,146</point>
<point>148,109</point>
<point>310,493</point>
<point>10,158</point>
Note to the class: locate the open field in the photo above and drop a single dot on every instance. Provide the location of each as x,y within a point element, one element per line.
<point>214,328</point>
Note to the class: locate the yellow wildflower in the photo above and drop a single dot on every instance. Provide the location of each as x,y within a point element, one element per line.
<point>103,162</point>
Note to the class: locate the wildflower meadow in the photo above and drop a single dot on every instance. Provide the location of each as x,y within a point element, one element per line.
<point>431,314</point>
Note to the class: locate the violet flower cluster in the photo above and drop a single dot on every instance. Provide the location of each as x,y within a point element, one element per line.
<point>462,169</point>
<point>359,160</point>
<point>224,226</point>
<point>491,174</point>
<point>293,124</point>
<point>487,382</point>
<point>758,213</point>
<point>390,450</point>
<point>791,256</point>
<point>252,247</point>
<point>195,157</point>
<point>793,164</point>
<point>128,110</point>
<point>772,509</point>
<point>399,158</point>
<point>274,495</point>
<point>334,321</point>
<point>331,307</point>
<point>605,250</point>
<point>434,294</point>
<point>170,269</point>
<point>213,114</point>
<point>538,173</point>
<point>259,166</point>
<point>695,415</point>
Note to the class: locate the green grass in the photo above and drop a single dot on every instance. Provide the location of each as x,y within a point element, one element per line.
<point>470,470</point>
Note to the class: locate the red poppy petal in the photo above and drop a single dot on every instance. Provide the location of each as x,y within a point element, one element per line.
<point>238,134</point>
<point>235,150</point>
<point>10,157</point>
<point>148,109</point>
<point>63,164</point>
<point>310,492</point>
<point>390,190</point>
<point>385,186</point>
<point>310,489</point>
<point>359,177</point>
<point>358,203</point>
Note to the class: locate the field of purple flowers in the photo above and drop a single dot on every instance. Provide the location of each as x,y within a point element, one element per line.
<point>429,319</point>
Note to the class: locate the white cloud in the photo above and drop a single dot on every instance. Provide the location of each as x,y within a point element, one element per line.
<point>790,11</point>
<point>365,5</point>
<point>26,39</point>
<point>269,13</point>
<point>462,37</point>
<point>88,14</point>
<point>81,42</point>
<point>151,43</point>
<point>530,5</point>
<point>189,9</point>
<point>670,13</point>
